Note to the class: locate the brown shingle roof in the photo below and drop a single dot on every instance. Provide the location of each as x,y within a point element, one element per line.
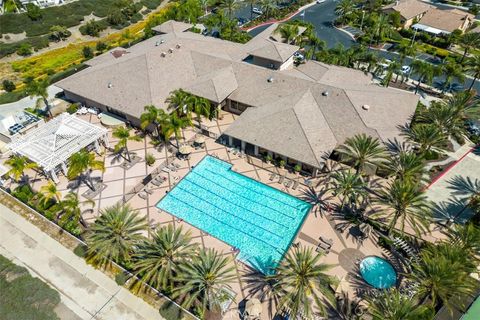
<point>446,20</point>
<point>409,9</point>
<point>275,51</point>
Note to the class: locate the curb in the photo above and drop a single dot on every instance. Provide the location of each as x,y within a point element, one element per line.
<point>450,167</point>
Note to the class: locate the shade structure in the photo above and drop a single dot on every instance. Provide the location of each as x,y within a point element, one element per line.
<point>253,308</point>
<point>200,139</point>
<point>185,150</point>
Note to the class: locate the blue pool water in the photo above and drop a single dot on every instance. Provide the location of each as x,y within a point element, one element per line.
<point>255,218</point>
<point>378,272</point>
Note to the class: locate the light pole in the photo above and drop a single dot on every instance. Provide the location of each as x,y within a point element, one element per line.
<point>361,23</point>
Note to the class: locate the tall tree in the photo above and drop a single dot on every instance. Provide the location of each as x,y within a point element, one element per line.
<point>268,7</point>
<point>157,260</point>
<point>40,89</point>
<point>174,125</point>
<point>344,9</point>
<point>393,305</point>
<point>71,211</point>
<point>288,32</point>
<point>114,235</point>
<point>425,72</point>
<point>405,203</point>
<point>49,192</point>
<point>82,163</point>
<point>407,166</point>
<point>350,187</point>
<point>229,6</point>
<point>393,68</point>
<point>452,71</point>
<point>469,41</point>
<point>18,164</point>
<point>303,283</point>
<point>362,150</point>
<point>442,273</point>
<point>123,135</point>
<point>177,101</point>
<point>202,279</point>
<point>251,4</point>
<point>427,137</point>
<point>472,67</point>
<point>154,116</point>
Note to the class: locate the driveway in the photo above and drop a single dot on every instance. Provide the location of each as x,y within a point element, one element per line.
<point>321,16</point>
<point>450,192</point>
<point>86,293</point>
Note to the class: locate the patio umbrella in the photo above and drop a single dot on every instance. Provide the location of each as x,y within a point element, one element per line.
<point>253,308</point>
<point>185,149</point>
<point>200,139</point>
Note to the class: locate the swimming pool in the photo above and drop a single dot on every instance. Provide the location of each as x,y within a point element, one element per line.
<point>378,272</point>
<point>255,218</point>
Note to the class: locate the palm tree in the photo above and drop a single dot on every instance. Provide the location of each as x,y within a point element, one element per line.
<point>407,49</point>
<point>447,116</point>
<point>289,33</point>
<point>251,3</point>
<point>158,260</point>
<point>18,164</point>
<point>202,279</point>
<point>452,71</point>
<point>382,28</point>
<point>405,204</point>
<point>393,305</point>
<point>173,126</point>
<point>177,101</point>
<point>467,237</point>
<point>393,68</point>
<point>204,4</point>
<point>472,67</point>
<point>303,283</point>
<point>425,71</point>
<point>152,115</point>
<point>115,234</point>
<point>201,107</point>
<point>348,309</point>
<point>315,44</point>
<point>362,150</point>
<point>71,211</point>
<point>268,7</point>
<point>49,192</point>
<point>123,136</point>
<point>82,163</point>
<point>426,137</point>
<point>229,6</point>
<point>344,9</point>
<point>407,166</point>
<point>468,41</point>
<point>40,89</point>
<point>349,186</point>
<point>442,273</point>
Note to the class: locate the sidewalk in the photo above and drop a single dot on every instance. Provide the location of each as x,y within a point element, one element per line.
<point>85,291</point>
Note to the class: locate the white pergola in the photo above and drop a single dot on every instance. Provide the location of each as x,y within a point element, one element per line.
<point>51,144</point>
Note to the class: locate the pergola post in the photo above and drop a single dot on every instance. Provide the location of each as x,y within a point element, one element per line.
<point>105,139</point>
<point>54,176</point>
<point>97,146</point>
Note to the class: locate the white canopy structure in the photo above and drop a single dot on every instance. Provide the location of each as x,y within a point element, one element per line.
<point>51,144</point>
<point>429,29</point>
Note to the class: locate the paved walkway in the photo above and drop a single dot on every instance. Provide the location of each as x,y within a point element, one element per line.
<point>85,292</point>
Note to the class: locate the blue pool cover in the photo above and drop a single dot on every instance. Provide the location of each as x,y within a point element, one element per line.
<point>253,217</point>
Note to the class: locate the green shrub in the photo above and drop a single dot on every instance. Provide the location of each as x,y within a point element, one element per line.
<point>170,311</point>
<point>298,167</point>
<point>136,17</point>
<point>25,49</point>
<point>81,251</point>
<point>101,46</point>
<point>87,52</point>
<point>150,159</point>
<point>8,85</point>
<point>72,108</point>
<point>93,28</point>
<point>23,193</point>
<point>33,12</point>
<point>121,278</point>
<point>9,97</point>
<point>66,73</point>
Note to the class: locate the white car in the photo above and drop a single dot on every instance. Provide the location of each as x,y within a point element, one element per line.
<point>406,69</point>
<point>321,1</point>
<point>257,11</point>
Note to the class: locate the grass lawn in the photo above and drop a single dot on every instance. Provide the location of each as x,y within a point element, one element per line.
<point>24,297</point>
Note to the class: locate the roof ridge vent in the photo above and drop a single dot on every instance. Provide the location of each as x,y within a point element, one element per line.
<point>178,46</point>
<point>162,41</point>
<point>270,79</point>
<point>163,54</point>
<point>366,107</point>
<point>170,50</point>
<point>157,43</point>
<point>325,93</point>
<point>110,85</point>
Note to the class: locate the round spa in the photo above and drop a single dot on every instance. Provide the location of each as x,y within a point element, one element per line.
<point>378,272</point>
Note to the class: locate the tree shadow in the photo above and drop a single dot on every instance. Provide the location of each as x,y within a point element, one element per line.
<point>463,186</point>
<point>396,146</point>
<point>445,212</point>
<point>320,200</point>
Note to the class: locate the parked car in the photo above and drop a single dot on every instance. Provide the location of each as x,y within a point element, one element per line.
<point>298,55</point>
<point>241,21</point>
<point>473,127</point>
<point>321,1</point>
<point>257,10</point>
<point>406,69</point>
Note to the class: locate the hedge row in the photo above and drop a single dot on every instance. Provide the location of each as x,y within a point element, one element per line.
<point>36,43</point>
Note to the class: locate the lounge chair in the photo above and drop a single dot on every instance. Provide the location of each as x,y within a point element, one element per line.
<point>165,169</point>
<point>280,181</point>
<point>288,183</point>
<point>295,185</point>
<point>272,176</point>
<point>143,195</point>
<point>327,241</point>
<point>322,249</point>
<point>148,190</point>
<point>157,183</point>
<point>176,165</point>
